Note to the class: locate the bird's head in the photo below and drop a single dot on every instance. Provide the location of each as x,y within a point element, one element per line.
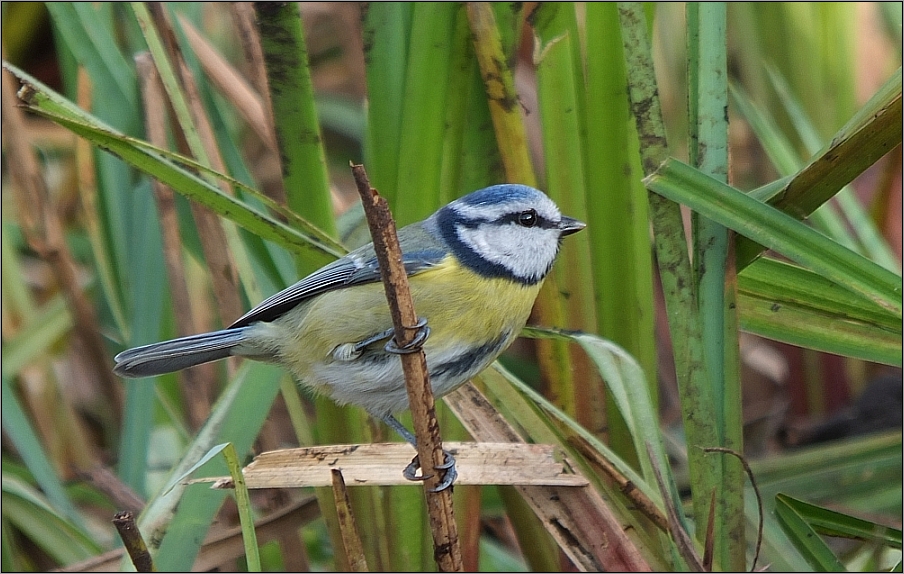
<point>505,231</point>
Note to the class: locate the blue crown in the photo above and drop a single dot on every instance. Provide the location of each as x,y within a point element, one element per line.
<point>502,193</point>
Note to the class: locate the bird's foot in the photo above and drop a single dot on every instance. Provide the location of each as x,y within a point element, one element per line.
<point>423,331</point>
<point>447,468</point>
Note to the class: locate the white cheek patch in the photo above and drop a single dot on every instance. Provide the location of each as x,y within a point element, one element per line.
<point>526,252</point>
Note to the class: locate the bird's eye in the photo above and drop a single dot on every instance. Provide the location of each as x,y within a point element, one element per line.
<point>528,218</point>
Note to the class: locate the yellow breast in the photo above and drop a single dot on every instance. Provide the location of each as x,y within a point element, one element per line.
<point>462,305</point>
<point>461,308</point>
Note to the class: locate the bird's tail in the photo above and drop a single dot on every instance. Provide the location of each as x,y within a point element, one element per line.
<point>177,354</point>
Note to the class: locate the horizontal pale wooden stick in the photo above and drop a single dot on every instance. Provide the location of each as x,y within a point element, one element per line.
<point>382,464</point>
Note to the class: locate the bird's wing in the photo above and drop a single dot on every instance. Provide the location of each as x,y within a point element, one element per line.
<point>356,268</point>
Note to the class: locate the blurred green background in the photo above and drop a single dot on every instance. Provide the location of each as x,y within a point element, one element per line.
<point>798,105</point>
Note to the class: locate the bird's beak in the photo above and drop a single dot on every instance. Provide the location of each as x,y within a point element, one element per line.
<point>569,225</point>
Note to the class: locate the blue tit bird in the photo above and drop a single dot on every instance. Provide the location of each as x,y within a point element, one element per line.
<point>475,268</point>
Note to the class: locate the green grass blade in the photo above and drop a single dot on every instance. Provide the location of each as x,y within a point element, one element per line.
<point>617,210</point>
<point>471,156</point>
<point>781,320</point>
<point>774,278</point>
<point>869,239</point>
<point>708,148</point>
<point>779,149</point>
<point>422,131</point>
<point>560,93</point>
<point>60,538</point>
<point>873,131</point>
<point>778,231</point>
<point>495,557</point>
<point>86,37</point>
<point>243,502</point>
<point>791,304</point>
<point>131,226</point>
<point>170,80</point>
<point>209,455</point>
<point>874,244</point>
<point>832,523</point>
<point>861,474</point>
<point>48,326</point>
<point>850,472</point>
<point>456,112</point>
<point>627,384</point>
<point>187,184</point>
<point>297,130</point>
<point>18,427</point>
<point>192,124</point>
<point>542,422</point>
<point>145,285</point>
<point>31,343</point>
<point>511,139</point>
<point>785,157</point>
<point>805,539</point>
<point>17,299</point>
<point>617,206</point>
<point>776,548</point>
<point>387,33</point>
<point>861,235</point>
<point>499,84</point>
<point>95,47</point>
<point>143,157</point>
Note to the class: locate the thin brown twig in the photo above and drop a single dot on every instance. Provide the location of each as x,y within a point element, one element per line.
<point>446,546</point>
<point>118,492</point>
<point>223,544</point>
<point>756,492</point>
<point>710,539</point>
<point>133,542</point>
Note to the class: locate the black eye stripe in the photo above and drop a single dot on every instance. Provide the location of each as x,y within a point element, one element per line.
<point>527,218</point>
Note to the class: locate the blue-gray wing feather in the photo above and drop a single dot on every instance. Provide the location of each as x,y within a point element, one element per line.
<point>356,268</point>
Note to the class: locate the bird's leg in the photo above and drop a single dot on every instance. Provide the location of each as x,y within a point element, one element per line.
<point>351,351</point>
<point>410,471</point>
<point>406,434</point>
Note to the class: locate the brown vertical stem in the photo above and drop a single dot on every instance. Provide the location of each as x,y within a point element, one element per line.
<point>232,85</point>
<point>244,19</point>
<point>354,550</point>
<point>446,547</point>
<point>133,542</point>
<point>222,268</point>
